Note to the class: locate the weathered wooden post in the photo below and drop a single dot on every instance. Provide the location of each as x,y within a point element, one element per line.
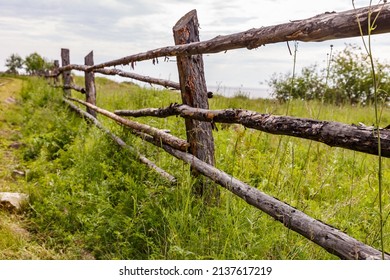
<point>90,89</point>
<point>194,93</point>
<point>66,75</point>
<point>56,65</point>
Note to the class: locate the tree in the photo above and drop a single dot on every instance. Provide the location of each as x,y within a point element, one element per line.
<point>14,63</point>
<point>349,80</point>
<point>306,86</point>
<point>36,64</point>
<point>351,76</point>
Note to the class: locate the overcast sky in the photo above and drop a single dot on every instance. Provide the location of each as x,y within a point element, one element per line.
<point>117,28</point>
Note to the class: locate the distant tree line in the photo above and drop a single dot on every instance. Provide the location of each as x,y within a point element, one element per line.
<point>346,79</point>
<point>33,64</point>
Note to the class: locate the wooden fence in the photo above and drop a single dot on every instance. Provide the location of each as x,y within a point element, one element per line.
<point>198,149</point>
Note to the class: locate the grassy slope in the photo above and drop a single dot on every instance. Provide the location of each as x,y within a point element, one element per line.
<point>15,241</point>
<point>91,199</point>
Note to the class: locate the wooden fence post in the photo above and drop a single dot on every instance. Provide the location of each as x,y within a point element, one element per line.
<point>66,75</point>
<point>56,65</point>
<point>194,93</point>
<point>90,89</point>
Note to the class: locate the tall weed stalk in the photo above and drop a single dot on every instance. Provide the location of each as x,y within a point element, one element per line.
<point>287,111</point>
<point>375,84</point>
<point>328,67</point>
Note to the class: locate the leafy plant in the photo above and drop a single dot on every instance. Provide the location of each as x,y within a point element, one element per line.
<point>376,89</point>
<point>36,64</point>
<point>14,63</point>
<point>349,81</point>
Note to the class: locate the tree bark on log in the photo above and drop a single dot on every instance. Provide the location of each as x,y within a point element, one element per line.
<point>122,143</point>
<point>66,74</point>
<point>335,134</point>
<point>72,86</point>
<point>112,72</point>
<point>77,67</point>
<point>75,87</point>
<point>55,72</point>
<point>146,79</point>
<point>327,26</point>
<point>193,88</point>
<point>90,89</point>
<point>160,135</point>
<point>331,239</point>
<point>194,93</point>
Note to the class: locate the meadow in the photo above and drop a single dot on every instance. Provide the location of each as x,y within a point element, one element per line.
<point>92,200</point>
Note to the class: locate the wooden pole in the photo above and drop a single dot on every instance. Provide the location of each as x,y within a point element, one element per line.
<point>194,93</point>
<point>66,75</point>
<point>55,72</point>
<point>90,89</point>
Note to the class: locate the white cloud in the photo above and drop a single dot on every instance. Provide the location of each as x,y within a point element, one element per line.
<point>116,28</point>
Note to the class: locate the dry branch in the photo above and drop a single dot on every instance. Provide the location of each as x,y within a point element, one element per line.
<point>334,134</point>
<point>322,27</point>
<point>172,110</point>
<point>75,87</point>
<point>158,134</point>
<point>122,143</point>
<point>69,67</point>
<point>331,239</point>
<point>112,72</point>
<point>146,79</point>
<point>52,74</point>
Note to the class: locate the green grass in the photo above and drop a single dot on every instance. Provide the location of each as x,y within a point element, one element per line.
<point>15,241</point>
<point>91,199</point>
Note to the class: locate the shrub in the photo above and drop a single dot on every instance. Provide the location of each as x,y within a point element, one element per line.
<point>349,80</point>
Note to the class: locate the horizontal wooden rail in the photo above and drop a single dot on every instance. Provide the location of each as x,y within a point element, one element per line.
<point>75,87</point>
<point>112,72</point>
<point>71,86</point>
<point>146,79</point>
<point>322,27</point>
<point>335,134</point>
<point>158,134</point>
<point>331,239</point>
<point>319,28</point>
<point>122,143</point>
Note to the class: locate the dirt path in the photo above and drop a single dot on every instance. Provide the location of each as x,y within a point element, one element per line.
<point>13,236</point>
<point>15,241</point>
<point>9,135</point>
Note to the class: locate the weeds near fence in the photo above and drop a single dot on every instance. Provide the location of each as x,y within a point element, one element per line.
<point>94,201</point>
<point>154,235</point>
<point>288,103</point>
<point>372,24</point>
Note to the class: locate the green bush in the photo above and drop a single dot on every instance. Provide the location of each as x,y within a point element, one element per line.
<point>348,80</point>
